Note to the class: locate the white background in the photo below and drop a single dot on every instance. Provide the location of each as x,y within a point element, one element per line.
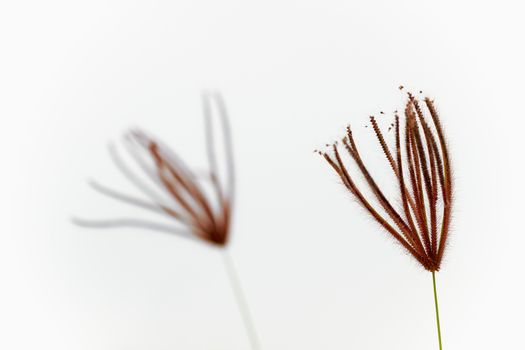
<point>317,272</point>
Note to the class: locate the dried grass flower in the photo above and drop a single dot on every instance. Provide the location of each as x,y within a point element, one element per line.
<point>420,165</point>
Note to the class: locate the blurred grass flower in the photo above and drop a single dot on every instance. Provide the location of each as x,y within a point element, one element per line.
<point>200,203</point>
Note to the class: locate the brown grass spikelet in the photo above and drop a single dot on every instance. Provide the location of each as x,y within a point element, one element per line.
<point>420,163</point>
<point>199,203</point>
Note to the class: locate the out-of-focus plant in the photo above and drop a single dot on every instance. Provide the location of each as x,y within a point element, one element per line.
<point>201,204</point>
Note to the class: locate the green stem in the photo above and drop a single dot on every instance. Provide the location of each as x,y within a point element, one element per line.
<point>437,310</point>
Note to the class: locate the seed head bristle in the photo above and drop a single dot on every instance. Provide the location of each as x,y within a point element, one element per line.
<point>426,161</point>
<point>205,215</point>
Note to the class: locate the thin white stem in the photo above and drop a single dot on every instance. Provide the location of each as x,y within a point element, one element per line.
<point>241,300</point>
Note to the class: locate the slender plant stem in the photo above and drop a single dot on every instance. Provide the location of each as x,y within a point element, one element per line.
<point>437,310</point>
<point>241,300</point>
